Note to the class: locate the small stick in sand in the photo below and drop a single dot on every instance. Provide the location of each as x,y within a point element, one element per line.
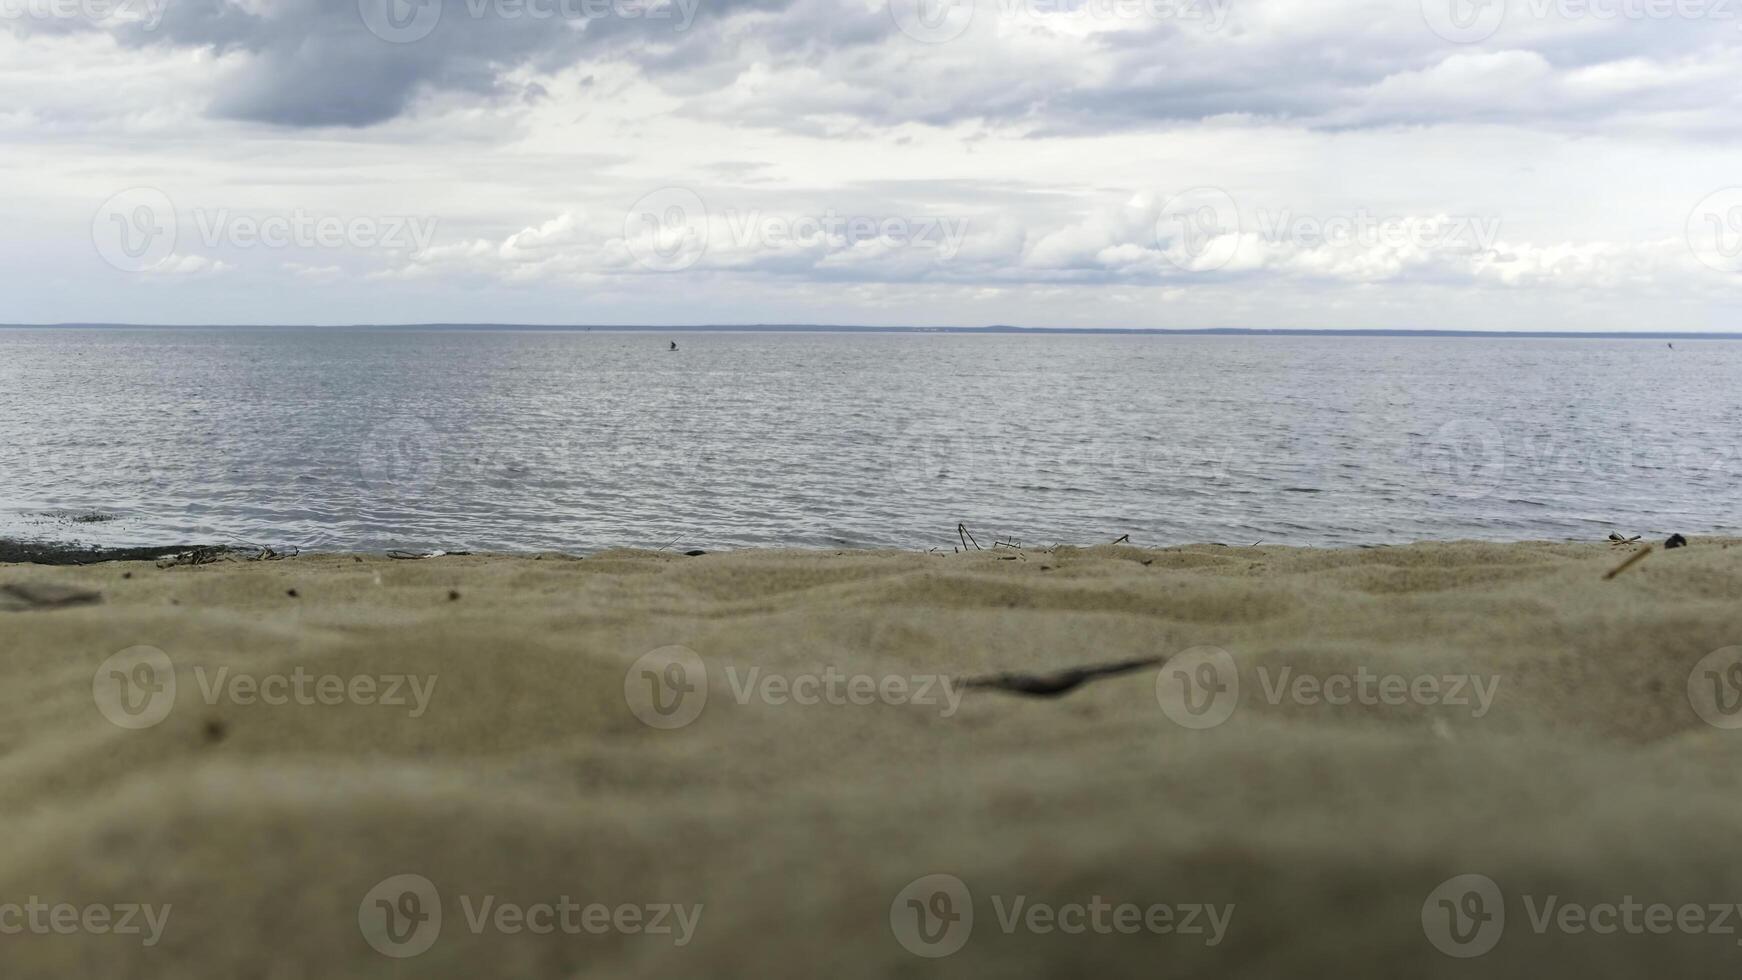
<point>1059,682</point>
<point>966,536</point>
<point>1632,560</point>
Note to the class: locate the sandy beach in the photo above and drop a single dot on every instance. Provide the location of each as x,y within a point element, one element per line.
<point>757,764</point>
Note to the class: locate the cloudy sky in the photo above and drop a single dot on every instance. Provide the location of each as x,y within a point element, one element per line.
<point>1480,164</point>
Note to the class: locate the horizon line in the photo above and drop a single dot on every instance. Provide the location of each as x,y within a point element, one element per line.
<point>852,328</point>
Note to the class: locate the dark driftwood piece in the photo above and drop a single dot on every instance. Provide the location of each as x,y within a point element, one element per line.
<point>1632,560</point>
<point>966,536</point>
<point>1058,682</point>
<point>21,596</point>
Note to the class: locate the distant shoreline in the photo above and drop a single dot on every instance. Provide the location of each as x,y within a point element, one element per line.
<point>15,551</point>
<point>838,328</point>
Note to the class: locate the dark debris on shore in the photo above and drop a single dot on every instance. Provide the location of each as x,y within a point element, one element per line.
<point>64,553</point>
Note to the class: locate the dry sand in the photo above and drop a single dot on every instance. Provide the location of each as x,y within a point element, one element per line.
<point>527,776</point>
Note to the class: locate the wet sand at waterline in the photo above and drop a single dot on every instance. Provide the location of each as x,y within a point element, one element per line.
<point>641,764</point>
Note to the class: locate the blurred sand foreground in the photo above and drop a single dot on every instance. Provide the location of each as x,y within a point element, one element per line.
<point>440,768</point>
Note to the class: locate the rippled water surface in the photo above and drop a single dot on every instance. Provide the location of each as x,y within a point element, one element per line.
<point>583,440</point>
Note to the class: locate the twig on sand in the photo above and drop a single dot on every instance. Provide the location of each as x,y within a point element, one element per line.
<point>1632,560</point>
<point>207,554</point>
<point>966,536</point>
<point>1059,682</point>
<point>44,595</point>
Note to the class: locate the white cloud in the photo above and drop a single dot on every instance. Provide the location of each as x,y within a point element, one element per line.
<point>1015,174</point>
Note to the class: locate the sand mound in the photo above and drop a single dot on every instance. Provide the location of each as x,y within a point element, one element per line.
<point>517,734</point>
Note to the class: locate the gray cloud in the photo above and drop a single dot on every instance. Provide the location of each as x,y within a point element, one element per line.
<point>1052,67</point>
<point>317,63</point>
